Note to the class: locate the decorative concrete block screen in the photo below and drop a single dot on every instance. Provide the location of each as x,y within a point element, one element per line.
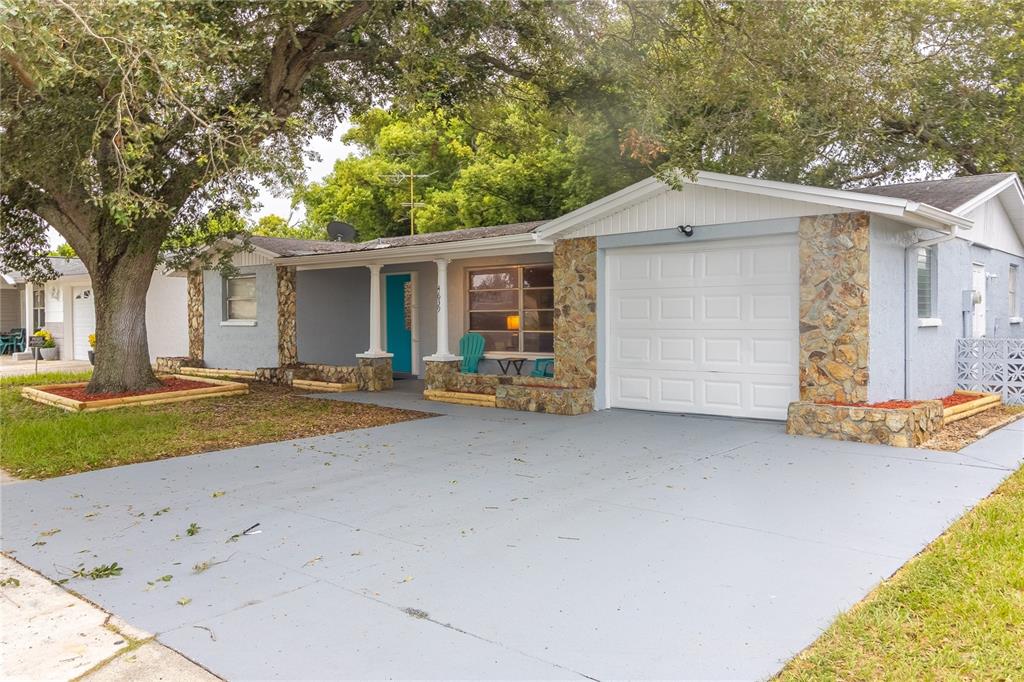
<point>992,365</point>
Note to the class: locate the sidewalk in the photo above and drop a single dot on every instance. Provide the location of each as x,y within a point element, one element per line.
<point>11,368</point>
<point>49,633</point>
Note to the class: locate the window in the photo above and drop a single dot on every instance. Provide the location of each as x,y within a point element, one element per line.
<point>240,298</point>
<point>513,308</point>
<point>38,308</point>
<point>926,282</point>
<point>1012,284</point>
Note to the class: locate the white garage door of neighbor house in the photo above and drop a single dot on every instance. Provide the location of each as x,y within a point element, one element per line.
<point>708,328</point>
<point>83,321</point>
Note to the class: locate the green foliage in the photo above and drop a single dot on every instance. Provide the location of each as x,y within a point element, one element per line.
<point>64,250</point>
<point>504,161</point>
<point>276,226</point>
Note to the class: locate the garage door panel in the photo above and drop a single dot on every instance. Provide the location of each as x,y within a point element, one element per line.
<point>727,394</point>
<point>709,328</point>
<point>763,352</point>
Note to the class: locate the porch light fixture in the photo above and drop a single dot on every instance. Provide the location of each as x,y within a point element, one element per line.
<point>512,323</point>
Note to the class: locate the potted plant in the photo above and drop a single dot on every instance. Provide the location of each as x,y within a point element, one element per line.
<point>48,351</point>
<point>92,348</point>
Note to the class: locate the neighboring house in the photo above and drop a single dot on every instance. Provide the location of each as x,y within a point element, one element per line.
<point>64,306</point>
<point>732,296</point>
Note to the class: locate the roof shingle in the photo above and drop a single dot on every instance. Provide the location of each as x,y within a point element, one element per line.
<point>942,194</point>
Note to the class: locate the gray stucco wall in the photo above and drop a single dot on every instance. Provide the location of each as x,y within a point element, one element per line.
<point>332,314</point>
<point>11,303</point>
<point>930,363</point>
<point>241,347</point>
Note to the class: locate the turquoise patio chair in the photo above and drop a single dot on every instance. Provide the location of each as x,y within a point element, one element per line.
<point>471,348</point>
<point>543,367</point>
<point>19,339</point>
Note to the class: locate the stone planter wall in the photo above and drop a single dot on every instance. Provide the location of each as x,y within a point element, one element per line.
<point>372,374</point>
<point>172,365</point>
<point>834,297</point>
<point>553,400</point>
<point>903,428</point>
<point>287,348</point>
<point>195,314</point>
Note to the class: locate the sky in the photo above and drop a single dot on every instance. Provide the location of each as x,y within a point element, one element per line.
<point>330,150</point>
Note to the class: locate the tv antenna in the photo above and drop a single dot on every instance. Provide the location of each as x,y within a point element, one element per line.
<point>412,204</point>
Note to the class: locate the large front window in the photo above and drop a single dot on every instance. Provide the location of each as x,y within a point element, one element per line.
<point>513,307</point>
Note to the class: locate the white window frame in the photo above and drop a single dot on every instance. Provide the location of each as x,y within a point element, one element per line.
<point>38,309</point>
<point>470,270</point>
<point>929,317</point>
<point>1013,293</point>
<point>229,321</point>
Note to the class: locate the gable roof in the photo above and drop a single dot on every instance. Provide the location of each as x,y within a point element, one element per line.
<point>286,248</point>
<point>948,195</point>
<point>65,267</point>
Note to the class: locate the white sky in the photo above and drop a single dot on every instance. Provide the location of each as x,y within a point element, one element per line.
<point>330,150</point>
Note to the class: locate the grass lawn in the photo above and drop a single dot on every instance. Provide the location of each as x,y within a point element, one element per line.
<point>955,612</point>
<point>37,441</point>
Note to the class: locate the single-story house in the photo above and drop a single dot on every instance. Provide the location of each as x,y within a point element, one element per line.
<point>64,306</point>
<point>727,296</point>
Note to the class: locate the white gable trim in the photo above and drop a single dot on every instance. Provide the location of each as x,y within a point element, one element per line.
<point>809,201</point>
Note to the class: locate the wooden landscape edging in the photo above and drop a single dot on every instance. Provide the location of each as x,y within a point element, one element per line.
<point>217,388</point>
<point>459,398</point>
<point>985,401</point>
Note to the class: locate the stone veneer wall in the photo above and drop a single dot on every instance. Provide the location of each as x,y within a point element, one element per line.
<point>195,314</point>
<point>287,348</point>
<point>903,428</point>
<point>173,364</point>
<point>575,279</point>
<point>834,315</point>
<point>372,374</point>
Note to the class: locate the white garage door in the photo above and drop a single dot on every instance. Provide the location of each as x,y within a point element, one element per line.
<point>83,321</point>
<point>709,327</point>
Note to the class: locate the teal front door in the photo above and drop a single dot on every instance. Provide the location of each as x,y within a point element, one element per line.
<point>399,321</point>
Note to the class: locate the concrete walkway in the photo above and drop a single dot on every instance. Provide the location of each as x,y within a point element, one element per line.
<point>10,367</point>
<point>496,544</point>
<point>51,634</point>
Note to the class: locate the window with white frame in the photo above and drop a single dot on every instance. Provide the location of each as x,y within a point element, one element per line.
<point>926,282</point>
<point>240,297</point>
<point>38,308</point>
<point>1013,286</point>
<point>513,308</point>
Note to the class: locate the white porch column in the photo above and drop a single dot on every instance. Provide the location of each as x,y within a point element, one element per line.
<point>28,312</point>
<point>375,350</point>
<point>442,354</point>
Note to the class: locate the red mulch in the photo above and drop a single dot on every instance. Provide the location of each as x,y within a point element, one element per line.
<point>948,401</point>
<point>170,384</point>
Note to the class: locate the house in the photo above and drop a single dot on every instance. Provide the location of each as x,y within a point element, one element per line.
<point>64,306</point>
<point>728,296</point>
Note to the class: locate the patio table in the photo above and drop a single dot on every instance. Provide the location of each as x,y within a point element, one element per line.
<point>507,362</point>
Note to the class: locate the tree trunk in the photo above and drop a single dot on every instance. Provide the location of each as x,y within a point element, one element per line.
<point>122,346</point>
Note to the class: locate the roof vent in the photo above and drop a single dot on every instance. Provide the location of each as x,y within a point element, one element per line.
<point>340,232</point>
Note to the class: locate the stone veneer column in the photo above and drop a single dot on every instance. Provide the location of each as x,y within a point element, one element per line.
<point>834,315</point>
<point>195,314</point>
<point>287,347</point>
<point>575,275</point>
<point>439,375</point>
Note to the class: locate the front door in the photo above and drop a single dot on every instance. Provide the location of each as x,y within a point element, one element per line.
<point>83,322</point>
<point>978,283</point>
<point>398,304</point>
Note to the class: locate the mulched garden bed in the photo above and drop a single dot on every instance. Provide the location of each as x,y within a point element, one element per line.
<point>947,401</point>
<point>77,392</point>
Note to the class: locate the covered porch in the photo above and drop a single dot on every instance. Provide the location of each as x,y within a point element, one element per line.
<point>406,314</point>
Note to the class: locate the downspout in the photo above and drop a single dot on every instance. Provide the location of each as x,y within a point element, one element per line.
<point>925,243</point>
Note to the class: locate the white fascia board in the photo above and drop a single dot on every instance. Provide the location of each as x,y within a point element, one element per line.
<point>975,202</point>
<point>926,215</point>
<point>483,246</point>
<point>635,192</point>
<point>854,201</point>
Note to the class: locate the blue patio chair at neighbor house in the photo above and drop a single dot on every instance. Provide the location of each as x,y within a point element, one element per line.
<point>19,339</point>
<point>543,367</point>
<point>471,348</point>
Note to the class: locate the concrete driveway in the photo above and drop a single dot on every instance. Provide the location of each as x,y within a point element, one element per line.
<point>495,544</point>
